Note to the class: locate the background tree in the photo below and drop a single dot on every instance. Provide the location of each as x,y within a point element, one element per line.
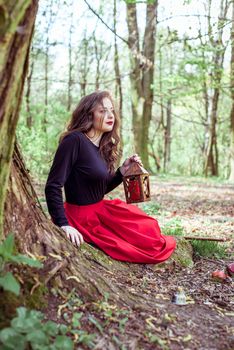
<point>231,177</point>
<point>212,99</point>
<point>17,22</point>
<point>142,74</point>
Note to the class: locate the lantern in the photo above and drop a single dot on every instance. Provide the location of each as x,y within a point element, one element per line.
<point>136,184</point>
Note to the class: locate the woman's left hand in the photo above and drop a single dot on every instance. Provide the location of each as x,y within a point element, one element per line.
<point>125,166</point>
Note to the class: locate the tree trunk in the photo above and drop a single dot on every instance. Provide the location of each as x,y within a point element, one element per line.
<point>211,149</point>
<point>98,56</point>
<point>231,177</point>
<point>118,84</point>
<point>83,68</point>
<point>148,76</point>
<point>167,137</point>
<point>142,67</point>
<point>15,37</point>
<point>70,65</point>
<point>136,76</point>
<point>29,120</point>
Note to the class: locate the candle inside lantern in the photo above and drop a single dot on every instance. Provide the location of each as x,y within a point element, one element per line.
<point>134,189</point>
<point>136,184</point>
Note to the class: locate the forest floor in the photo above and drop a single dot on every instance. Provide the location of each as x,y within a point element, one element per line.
<point>203,208</point>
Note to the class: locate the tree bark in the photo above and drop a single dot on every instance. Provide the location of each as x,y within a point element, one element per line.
<point>29,120</point>
<point>142,76</point>
<point>70,64</point>
<point>83,67</point>
<point>15,37</point>
<point>118,83</point>
<point>135,77</point>
<point>231,177</point>
<point>167,137</point>
<point>98,56</point>
<point>211,149</point>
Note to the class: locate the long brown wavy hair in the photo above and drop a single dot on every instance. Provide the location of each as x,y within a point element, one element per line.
<point>82,120</point>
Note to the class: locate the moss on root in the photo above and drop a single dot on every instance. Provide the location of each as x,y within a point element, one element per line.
<point>182,256</point>
<point>31,296</point>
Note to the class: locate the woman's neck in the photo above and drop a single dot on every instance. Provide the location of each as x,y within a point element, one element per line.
<point>94,137</point>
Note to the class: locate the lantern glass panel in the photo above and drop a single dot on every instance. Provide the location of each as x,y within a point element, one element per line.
<point>134,191</point>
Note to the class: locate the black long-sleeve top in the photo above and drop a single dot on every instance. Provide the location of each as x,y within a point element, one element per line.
<point>79,167</point>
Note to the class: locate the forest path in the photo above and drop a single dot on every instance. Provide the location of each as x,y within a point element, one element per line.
<point>202,208</point>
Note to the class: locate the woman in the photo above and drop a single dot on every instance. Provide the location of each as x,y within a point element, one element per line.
<point>84,165</point>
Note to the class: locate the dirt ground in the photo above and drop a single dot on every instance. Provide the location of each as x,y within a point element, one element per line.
<point>207,320</point>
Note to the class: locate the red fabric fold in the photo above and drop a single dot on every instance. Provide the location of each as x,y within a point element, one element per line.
<point>121,230</point>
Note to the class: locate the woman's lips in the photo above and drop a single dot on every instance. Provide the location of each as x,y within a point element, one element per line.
<point>110,123</point>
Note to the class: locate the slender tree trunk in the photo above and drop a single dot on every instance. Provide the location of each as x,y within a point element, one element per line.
<point>15,38</point>
<point>148,76</point>
<point>142,75</point>
<point>83,70</point>
<point>29,120</point>
<point>167,137</point>
<point>70,65</point>
<point>118,83</point>
<point>167,128</point>
<point>231,177</point>
<point>211,148</point>
<point>98,56</point>
<point>136,75</point>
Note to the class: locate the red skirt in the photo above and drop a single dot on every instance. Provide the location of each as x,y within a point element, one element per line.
<point>121,230</point>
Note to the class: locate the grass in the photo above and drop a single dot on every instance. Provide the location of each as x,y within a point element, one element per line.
<point>151,208</point>
<point>192,179</point>
<point>173,228</point>
<point>209,249</point>
<point>200,248</point>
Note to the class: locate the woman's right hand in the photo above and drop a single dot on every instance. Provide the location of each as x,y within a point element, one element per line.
<point>74,235</point>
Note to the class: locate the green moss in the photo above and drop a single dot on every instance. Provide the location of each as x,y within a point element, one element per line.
<point>101,258</point>
<point>8,304</point>
<point>37,299</point>
<point>209,249</point>
<point>9,301</point>
<point>183,254</point>
<point>173,228</point>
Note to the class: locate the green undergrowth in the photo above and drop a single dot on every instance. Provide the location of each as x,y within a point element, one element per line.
<point>186,180</point>
<point>151,208</point>
<point>90,321</point>
<point>28,331</point>
<point>81,326</point>
<point>173,228</point>
<point>19,281</point>
<point>209,249</point>
<point>200,248</point>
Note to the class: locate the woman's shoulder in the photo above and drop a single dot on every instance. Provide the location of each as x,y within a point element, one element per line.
<point>73,136</point>
<point>72,140</point>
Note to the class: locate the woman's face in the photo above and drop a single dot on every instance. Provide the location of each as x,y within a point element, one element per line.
<point>103,116</point>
